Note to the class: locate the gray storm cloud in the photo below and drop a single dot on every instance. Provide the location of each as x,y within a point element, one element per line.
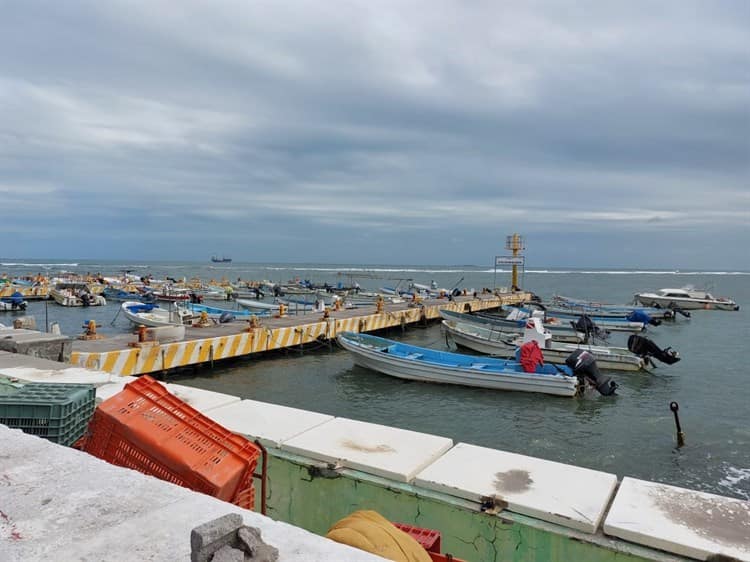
<point>419,132</point>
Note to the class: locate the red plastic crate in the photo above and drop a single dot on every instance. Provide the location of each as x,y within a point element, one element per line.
<point>437,557</point>
<point>428,538</point>
<point>146,428</point>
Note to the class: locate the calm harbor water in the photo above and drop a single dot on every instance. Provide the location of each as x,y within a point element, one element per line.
<point>632,434</point>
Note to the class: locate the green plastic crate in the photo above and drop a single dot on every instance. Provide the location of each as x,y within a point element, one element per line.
<point>55,411</point>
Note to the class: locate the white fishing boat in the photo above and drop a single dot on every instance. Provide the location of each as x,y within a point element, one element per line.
<point>482,340</point>
<point>152,315</point>
<point>259,306</point>
<point>515,326</point>
<point>428,365</point>
<point>687,298</point>
<point>75,294</point>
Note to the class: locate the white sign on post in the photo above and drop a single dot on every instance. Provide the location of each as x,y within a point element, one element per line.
<point>509,260</point>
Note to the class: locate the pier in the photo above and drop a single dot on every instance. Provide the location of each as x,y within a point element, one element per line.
<point>116,355</point>
<point>489,505</point>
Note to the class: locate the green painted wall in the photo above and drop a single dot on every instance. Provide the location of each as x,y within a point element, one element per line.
<point>297,495</point>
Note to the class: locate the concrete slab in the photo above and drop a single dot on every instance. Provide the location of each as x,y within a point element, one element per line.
<point>64,375</point>
<point>393,453</point>
<point>685,522</point>
<point>567,495</point>
<point>270,423</point>
<point>61,504</point>
<point>107,391</point>
<point>202,400</point>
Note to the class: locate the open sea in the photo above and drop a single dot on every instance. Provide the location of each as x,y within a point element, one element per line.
<point>631,434</point>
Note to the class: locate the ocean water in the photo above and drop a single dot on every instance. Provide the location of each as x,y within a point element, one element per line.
<point>631,434</point>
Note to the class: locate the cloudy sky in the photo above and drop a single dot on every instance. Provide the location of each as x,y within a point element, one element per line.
<point>608,133</point>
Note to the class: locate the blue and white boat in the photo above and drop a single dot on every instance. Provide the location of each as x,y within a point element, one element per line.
<point>13,303</point>
<point>615,324</point>
<point>578,306</point>
<point>223,313</point>
<point>428,365</point>
<point>143,314</point>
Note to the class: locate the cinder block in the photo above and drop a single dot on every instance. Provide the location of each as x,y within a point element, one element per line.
<point>228,554</point>
<point>208,538</point>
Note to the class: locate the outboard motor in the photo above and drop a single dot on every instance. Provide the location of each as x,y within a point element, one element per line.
<point>646,348</point>
<point>86,299</point>
<point>586,325</point>
<point>639,315</point>
<point>583,365</point>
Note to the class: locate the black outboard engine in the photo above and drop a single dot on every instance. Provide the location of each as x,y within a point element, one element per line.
<point>586,325</point>
<point>225,317</point>
<point>646,348</point>
<point>583,365</point>
<point>86,299</point>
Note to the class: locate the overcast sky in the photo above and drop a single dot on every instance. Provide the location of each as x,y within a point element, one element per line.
<point>608,133</point>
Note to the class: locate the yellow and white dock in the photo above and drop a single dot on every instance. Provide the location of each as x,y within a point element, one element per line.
<point>116,355</point>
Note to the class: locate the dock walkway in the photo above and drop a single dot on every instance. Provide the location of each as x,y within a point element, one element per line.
<point>235,339</point>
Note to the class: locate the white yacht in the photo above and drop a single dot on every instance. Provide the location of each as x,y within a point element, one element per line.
<point>686,298</point>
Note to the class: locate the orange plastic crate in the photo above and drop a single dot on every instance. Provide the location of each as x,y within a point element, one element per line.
<point>146,428</point>
<point>428,538</point>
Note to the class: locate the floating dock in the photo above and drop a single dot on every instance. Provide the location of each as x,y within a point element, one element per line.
<point>116,355</point>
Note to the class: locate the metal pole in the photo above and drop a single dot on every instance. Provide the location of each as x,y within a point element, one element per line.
<point>46,316</point>
<point>680,435</point>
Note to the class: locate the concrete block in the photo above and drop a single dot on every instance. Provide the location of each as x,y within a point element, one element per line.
<point>266,553</point>
<point>250,539</point>
<point>37,344</point>
<point>228,554</point>
<point>202,400</point>
<point>681,521</point>
<point>208,538</point>
<point>389,452</point>
<point>568,495</point>
<point>271,424</point>
<point>25,322</point>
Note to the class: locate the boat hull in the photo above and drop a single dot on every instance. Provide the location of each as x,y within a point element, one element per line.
<point>685,304</point>
<point>619,360</point>
<point>154,318</point>
<point>404,368</point>
<point>560,332</point>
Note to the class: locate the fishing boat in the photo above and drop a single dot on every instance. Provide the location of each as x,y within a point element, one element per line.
<point>222,259</point>
<point>429,365</point>
<point>611,323</point>
<point>146,314</point>
<point>13,303</point>
<point>258,306</point>
<point>607,357</point>
<point>169,293</point>
<point>75,294</point>
<point>577,306</point>
<point>122,295</point>
<point>688,298</point>
<point>222,314</point>
<point>561,332</point>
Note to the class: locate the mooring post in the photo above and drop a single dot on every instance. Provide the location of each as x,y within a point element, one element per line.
<point>680,435</point>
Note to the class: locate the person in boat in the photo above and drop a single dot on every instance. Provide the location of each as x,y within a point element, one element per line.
<point>230,292</point>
